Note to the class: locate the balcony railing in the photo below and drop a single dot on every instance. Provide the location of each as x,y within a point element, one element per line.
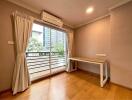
<point>39,63</point>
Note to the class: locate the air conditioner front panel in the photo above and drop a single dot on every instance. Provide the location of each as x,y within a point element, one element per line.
<point>51,19</point>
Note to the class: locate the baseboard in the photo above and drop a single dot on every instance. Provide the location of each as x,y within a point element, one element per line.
<point>92,73</point>
<point>97,74</point>
<point>4,91</point>
<point>35,81</point>
<point>121,85</point>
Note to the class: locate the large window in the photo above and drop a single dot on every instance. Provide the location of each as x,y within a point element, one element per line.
<point>46,51</point>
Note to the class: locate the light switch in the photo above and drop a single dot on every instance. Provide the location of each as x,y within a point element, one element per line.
<point>10,42</point>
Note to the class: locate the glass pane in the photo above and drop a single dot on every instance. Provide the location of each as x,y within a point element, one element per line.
<point>38,52</point>
<point>58,51</point>
<point>46,51</point>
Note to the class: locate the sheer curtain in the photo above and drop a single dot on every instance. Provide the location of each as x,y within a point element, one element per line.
<point>22,30</point>
<point>70,39</point>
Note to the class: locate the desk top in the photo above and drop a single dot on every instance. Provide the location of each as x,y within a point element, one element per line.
<point>92,60</point>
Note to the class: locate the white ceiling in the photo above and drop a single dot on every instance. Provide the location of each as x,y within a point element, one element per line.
<point>71,11</point>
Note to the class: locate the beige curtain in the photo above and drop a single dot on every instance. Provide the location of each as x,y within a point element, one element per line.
<point>70,39</point>
<point>22,28</point>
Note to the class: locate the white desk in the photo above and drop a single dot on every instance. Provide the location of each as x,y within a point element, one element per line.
<point>101,62</point>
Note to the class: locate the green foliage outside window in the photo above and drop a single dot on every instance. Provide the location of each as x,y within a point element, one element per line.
<point>59,47</point>
<point>35,46</point>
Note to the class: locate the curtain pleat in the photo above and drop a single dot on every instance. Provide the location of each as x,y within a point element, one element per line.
<point>22,31</point>
<point>70,39</point>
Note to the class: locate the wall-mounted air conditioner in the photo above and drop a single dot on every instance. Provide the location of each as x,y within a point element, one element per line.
<point>51,19</point>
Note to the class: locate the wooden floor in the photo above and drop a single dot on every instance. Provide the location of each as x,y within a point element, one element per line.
<point>77,85</point>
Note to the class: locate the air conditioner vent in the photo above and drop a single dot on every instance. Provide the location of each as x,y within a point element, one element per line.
<point>51,19</point>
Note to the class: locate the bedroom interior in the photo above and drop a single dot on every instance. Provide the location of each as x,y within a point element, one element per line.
<point>65,50</point>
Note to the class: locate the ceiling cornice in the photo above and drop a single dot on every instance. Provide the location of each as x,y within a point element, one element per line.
<point>91,21</point>
<point>75,26</point>
<point>98,18</point>
<point>25,6</point>
<point>119,4</point>
<point>33,10</point>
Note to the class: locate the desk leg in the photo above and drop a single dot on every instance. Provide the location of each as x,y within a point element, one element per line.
<point>106,71</point>
<point>76,64</point>
<point>103,81</point>
<point>69,66</point>
<point>101,74</point>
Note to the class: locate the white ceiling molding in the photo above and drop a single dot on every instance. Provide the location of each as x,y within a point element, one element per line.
<point>25,6</point>
<point>67,24</point>
<point>119,4</point>
<point>33,10</point>
<point>91,21</point>
<point>98,18</point>
<point>122,2</point>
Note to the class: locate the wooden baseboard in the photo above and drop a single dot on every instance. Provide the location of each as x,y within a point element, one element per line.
<point>7,90</point>
<point>35,81</point>
<point>92,73</point>
<point>121,85</point>
<point>96,74</point>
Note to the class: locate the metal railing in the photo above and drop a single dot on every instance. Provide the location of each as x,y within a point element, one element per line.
<point>42,61</point>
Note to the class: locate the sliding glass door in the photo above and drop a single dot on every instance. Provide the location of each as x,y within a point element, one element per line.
<point>46,51</point>
<point>58,51</point>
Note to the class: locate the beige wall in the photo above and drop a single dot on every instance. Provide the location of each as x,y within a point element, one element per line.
<point>121,45</point>
<point>7,54</point>
<point>113,36</point>
<point>6,34</point>
<point>93,39</point>
<point>89,40</point>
